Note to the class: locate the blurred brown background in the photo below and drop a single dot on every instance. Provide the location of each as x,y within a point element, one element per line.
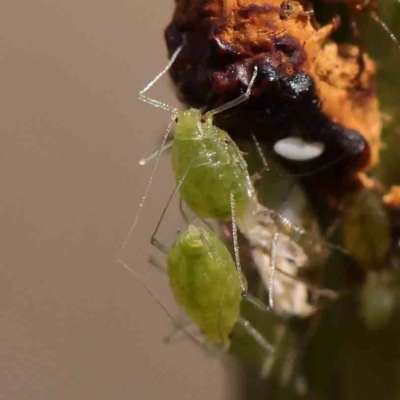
<point>75,324</point>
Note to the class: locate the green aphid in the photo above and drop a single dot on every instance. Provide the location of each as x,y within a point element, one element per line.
<point>205,282</point>
<point>213,180</point>
<point>209,167</point>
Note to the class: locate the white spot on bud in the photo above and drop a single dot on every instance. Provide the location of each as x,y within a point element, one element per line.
<point>296,149</point>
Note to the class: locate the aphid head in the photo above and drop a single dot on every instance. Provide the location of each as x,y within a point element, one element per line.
<point>193,240</point>
<point>188,124</point>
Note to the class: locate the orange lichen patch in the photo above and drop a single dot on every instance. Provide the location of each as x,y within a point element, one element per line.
<point>285,35</point>
<point>392,198</point>
<point>335,70</point>
<point>368,183</point>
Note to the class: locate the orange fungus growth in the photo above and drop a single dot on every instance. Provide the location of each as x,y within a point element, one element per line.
<point>308,85</point>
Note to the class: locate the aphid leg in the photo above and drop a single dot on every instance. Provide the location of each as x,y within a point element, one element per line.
<point>235,102</point>
<point>285,225</point>
<point>301,235</point>
<point>154,241</point>
<point>157,264</point>
<point>177,332</point>
<point>383,25</point>
<point>208,224</point>
<point>151,101</point>
<point>258,175</point>
<point>183,212</point>
<point>256,335</point>
<point>189,219</point>
<point>153,154</point>
<point>242,281</point>
<point>146,192</point>
<point>273,267</point>
<point>257,302</point>
<point>314,289</point>
<point>133,271</point>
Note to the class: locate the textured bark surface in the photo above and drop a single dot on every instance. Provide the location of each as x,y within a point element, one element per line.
<point>307,86</point>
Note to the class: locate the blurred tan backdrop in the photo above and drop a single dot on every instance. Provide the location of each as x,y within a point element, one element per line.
<point>74,324</point>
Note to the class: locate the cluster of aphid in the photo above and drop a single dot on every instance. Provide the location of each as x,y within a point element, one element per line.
<point>213,180</point>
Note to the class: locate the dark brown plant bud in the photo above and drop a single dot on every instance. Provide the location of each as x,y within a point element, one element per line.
<point>307,86</point>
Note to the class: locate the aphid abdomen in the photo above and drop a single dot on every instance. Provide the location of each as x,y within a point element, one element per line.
<point>205,283</point>
<point>210,167</point>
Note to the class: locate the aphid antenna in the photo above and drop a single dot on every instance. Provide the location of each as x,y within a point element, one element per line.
<point>235,102</point>
<point>164,144</point>
<point>157,103</point>
<point>154,241</point>
<point>177,325</point>
<point>146,192</point>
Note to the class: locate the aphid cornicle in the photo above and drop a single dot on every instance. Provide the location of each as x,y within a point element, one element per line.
<point>205,283</point>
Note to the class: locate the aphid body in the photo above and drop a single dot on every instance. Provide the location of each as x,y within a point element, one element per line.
<point>209,167</point>
<point>205,283</point>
